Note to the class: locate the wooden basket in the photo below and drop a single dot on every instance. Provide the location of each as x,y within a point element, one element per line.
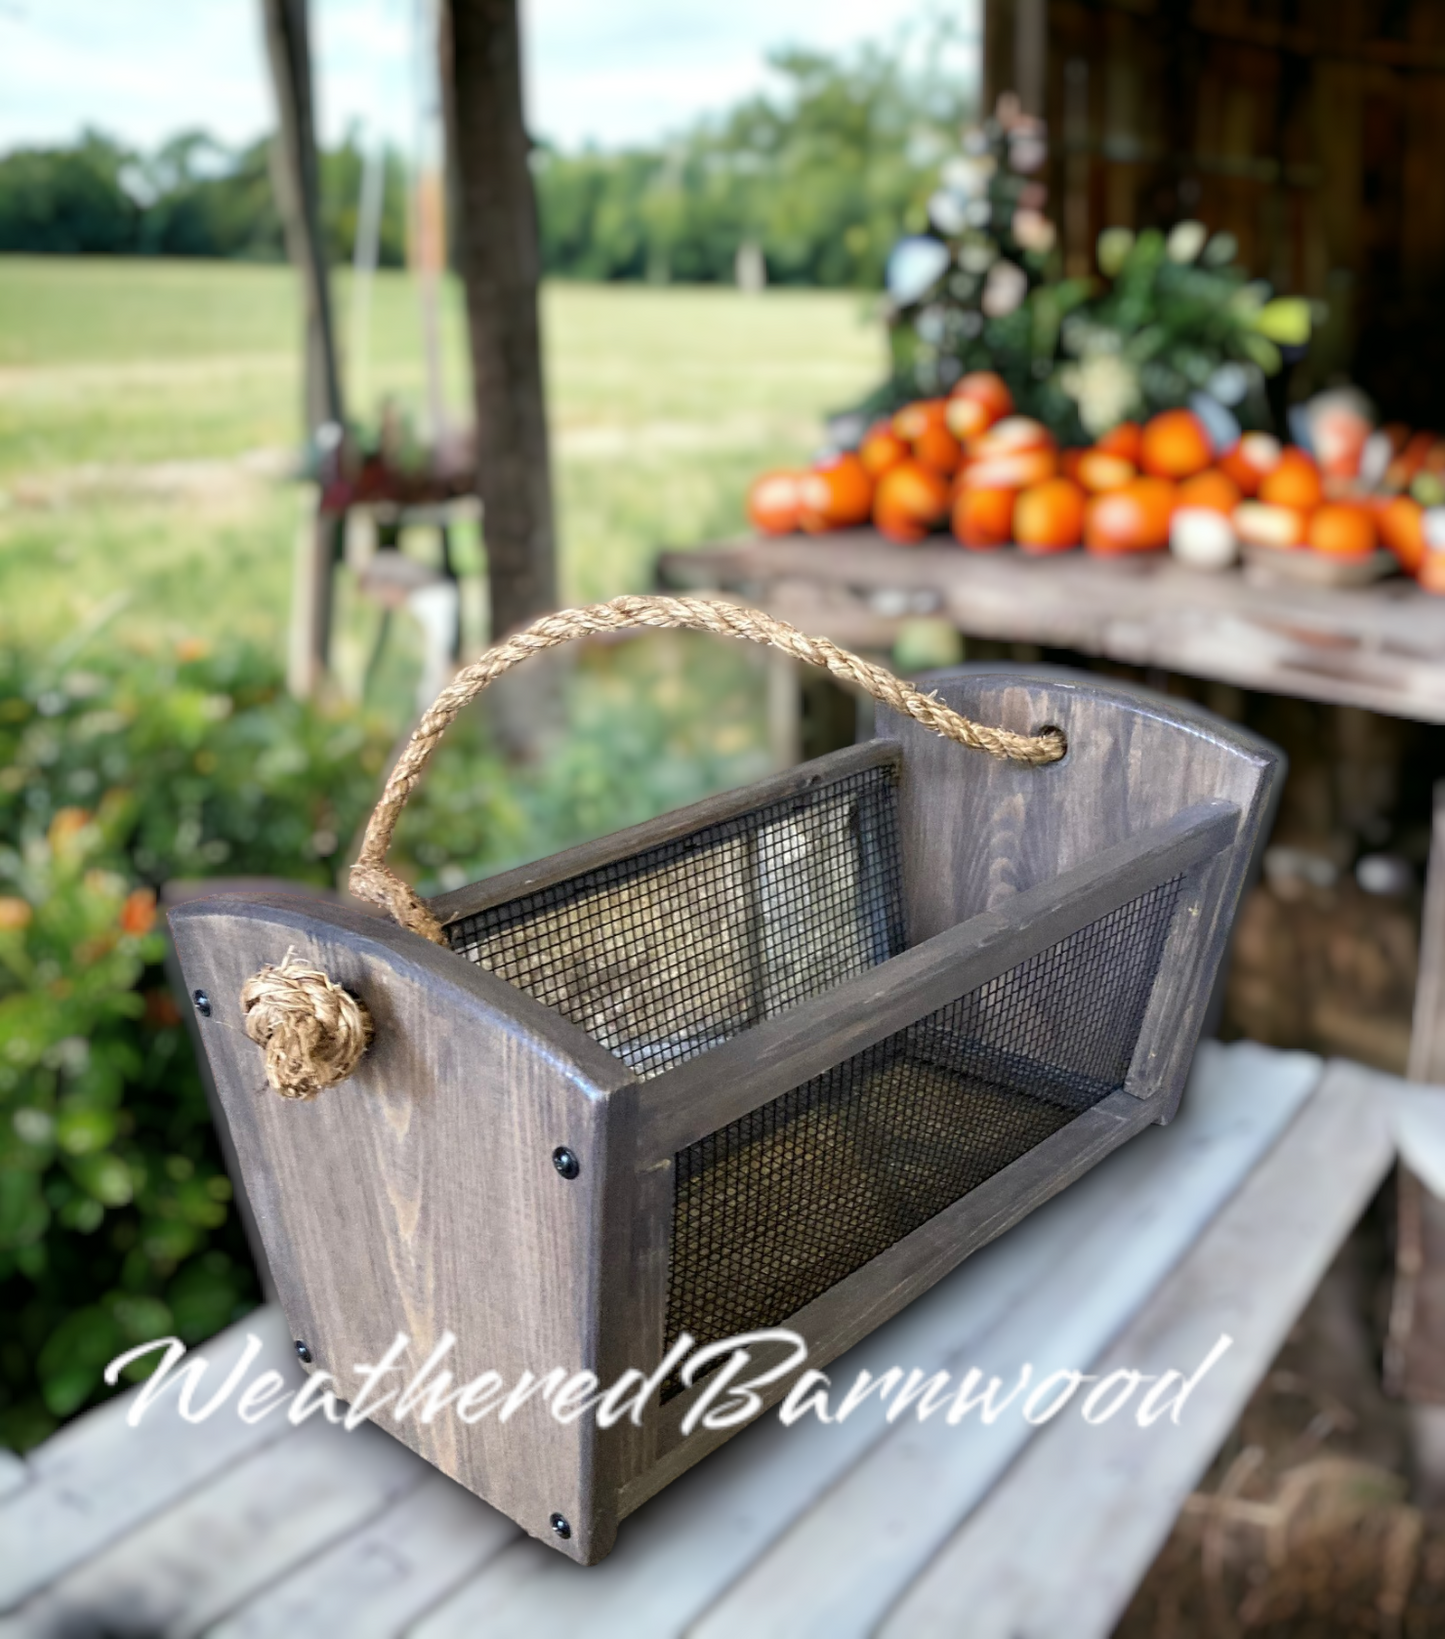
<point>782,1058</point>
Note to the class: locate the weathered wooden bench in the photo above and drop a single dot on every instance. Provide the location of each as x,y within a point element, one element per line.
<point>1222,1222</point>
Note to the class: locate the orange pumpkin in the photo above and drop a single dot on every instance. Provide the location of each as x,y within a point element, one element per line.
<point>988,389</point>
<point>1212,489</point>
<point>881,449</point>
<point>1401,523</point>
<point>936,447</point>
<point>1254,456</point>
<point>774,503</point>
<point>913,420</point>
<point>837,494</point>
<point>1100,471</point>
<point>1013,433</point>
<point>1132,519</point>
<point>983,518</point>
<point>1342,531</point>
<point>1262,523</point>
<point>1175,445</point>
<point>910,500</point>
<point>968,418</point>
<point>1016,469</point>
<point>1125,441</point>
<point>1050,516</point>
<point>1295,482</point>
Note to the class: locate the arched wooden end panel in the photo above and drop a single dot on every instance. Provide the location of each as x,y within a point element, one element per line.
<point>420,1195</point>
<point>974,839</point>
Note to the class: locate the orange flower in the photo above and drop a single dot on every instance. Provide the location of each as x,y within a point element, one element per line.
<point>15,914</point>
<point>192,648</point>
<point>138,914</point>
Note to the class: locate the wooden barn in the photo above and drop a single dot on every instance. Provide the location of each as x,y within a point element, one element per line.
<point>1313,130</point>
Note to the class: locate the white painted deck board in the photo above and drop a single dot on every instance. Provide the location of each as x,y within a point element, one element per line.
<point>1064,1539</point>
<point>1128,1219</point>
<point>184,1569</point>
<point>1115,1235</point>
<point>97,1478</point>
<point>1215,1223</point>
<point>373,1584</point>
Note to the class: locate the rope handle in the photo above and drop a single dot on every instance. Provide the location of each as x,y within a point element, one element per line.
<point>373,880</point>
<point>314,1032</point>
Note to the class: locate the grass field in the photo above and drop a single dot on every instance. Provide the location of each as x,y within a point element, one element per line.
<point>147,410</point>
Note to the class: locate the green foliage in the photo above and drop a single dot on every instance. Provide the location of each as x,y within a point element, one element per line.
<point>821,175</point>
<point>114,1222</point>
<point>67,200</point>
<point>221,769</point>
<point>1169,318</point>
<point>192,197</point>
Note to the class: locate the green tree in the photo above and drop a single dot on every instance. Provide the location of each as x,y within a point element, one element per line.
<point>68,201</point>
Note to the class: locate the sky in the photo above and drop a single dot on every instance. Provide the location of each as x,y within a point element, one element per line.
<point>609,71</point>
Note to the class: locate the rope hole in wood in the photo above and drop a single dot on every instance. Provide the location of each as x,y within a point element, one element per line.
<point>314,1039</point>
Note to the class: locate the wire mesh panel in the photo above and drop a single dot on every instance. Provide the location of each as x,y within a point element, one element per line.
<point>773,1209</point>
<point>669,953</point>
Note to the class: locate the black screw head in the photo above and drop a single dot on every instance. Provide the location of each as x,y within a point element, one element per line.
<point>303,1354</point>
<point>569,1166</point>
<point>203,1003</point>
<point>560,1526</point>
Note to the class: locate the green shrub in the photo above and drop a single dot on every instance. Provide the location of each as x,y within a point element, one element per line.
<point>114,1217</point>
<point>121,774</point>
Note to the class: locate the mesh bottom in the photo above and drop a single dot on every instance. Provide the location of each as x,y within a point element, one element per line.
<point>773,1209</point>
<point>669,953</point>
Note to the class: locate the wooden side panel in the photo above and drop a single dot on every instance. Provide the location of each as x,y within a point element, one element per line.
<point>1134,760</point>
<point>420,1196</point>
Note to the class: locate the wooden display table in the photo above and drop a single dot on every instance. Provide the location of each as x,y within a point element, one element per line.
<point>1223,1222</point>
<point>1381,647</point>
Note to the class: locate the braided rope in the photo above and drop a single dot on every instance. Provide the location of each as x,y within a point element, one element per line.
<point>373,880</point>
<point>313,1032</point>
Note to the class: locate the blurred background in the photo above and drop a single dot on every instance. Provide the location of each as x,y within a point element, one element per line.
<point>716,194</point>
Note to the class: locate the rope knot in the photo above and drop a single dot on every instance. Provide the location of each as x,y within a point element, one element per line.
<point>313,1032</point>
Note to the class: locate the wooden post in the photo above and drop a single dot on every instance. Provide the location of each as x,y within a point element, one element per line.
<point>1015,52</point>
<point>295,178</point>
<point>1415,1351</point>
<point>498,255</point>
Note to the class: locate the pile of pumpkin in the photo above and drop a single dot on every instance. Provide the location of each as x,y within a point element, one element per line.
<point>996,477</point>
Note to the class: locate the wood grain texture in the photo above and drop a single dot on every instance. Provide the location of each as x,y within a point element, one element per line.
<point>1381,647</point>
<point>1427,1033</point>
<point>373,1583</point>
<point>1135,760</point>
<point>98,1478</point>
<point>1064,1541</point>
<point>420,1196</point>
<point>186,1568</point>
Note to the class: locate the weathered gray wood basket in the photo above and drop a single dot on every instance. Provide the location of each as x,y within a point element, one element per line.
<point>805,1045</point>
